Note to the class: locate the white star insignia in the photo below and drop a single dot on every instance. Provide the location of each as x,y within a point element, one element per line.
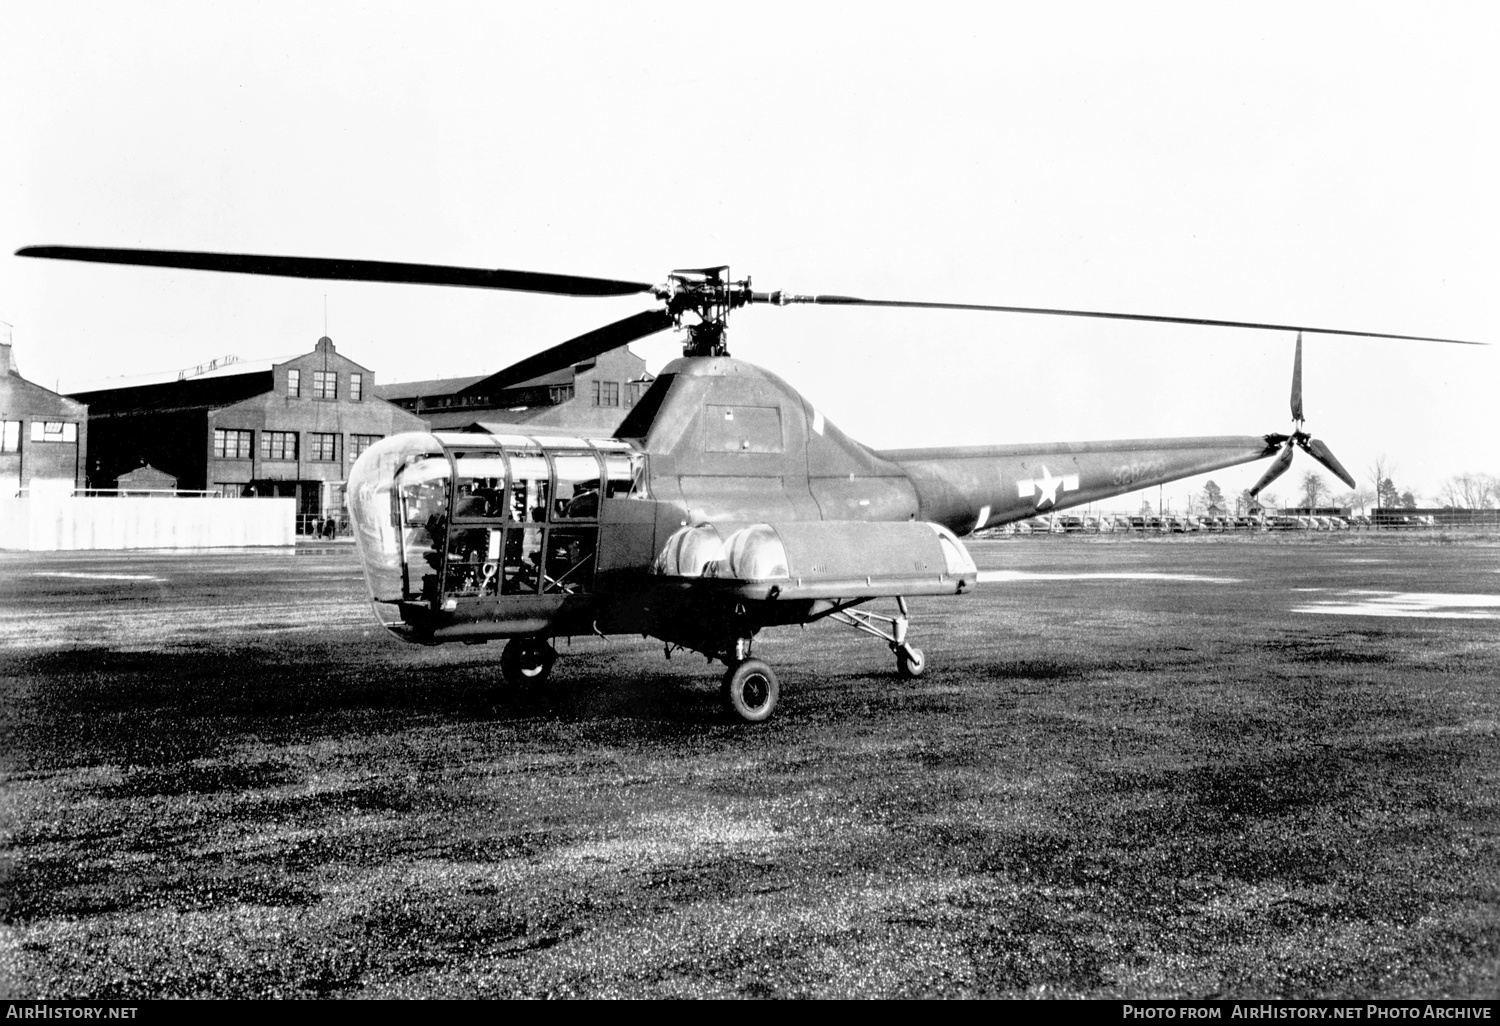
<point>1045,487</point>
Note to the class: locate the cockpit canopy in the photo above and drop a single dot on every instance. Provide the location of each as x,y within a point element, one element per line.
<point>425,506</point>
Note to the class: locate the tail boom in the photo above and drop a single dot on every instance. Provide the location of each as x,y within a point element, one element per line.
<point>966,489</point>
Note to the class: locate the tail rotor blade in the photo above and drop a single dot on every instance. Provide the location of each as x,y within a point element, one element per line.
<point>1320,452</point>
<point>1297,383</point>
<point>1276,469</point>
<point>575,350</point>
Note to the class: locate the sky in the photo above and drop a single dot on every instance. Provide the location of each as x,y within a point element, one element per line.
<point>1329,164</point>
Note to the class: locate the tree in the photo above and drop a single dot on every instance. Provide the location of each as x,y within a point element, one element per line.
<point>1381,472</point>
<point>1355,500</point>
<point>1313,489</point>
<point>1386,494</point>
<point>1471,491</point>
<point>1213,497</point>
<point>1408,500</point>
<point>1145,508</point>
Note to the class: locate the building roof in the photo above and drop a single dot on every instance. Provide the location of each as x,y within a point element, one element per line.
<point>202,393</point>
<point>222,370</point>
<point>452,386</point>
<point>430,386</point>
<point>38,397</point>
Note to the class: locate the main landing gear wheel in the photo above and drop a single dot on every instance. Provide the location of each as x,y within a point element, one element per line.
<point>910,662</point>
<point>526,661</point>
<point>750,690</point>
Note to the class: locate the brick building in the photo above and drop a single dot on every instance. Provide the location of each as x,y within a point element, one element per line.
<point>591,398</point>
<point>290,429</point>
<point>43,436</point>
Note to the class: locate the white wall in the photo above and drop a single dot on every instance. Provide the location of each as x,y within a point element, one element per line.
<point>40,524</point>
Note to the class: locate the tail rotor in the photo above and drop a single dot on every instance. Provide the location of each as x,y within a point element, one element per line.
<point>1299,438</point>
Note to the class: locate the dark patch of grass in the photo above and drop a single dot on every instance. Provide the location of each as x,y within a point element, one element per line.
<point>50,888</point>
<point>1352,649</point>
<point>178,779</point>
<point>1036,947</point>
<point>43,888</point>
<point>527,844</point>
<point>708,878</point>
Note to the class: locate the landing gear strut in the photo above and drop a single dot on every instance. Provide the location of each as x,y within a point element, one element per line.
<point>910,662</point>
<point>527,661</point>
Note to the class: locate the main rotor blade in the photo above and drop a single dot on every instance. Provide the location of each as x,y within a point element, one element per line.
<point>1320,452</point>
<point>575,350</point>
<point>1276,469</point>
<point>1297,384</point>
<point>784,299</point>
<point>347,270</point>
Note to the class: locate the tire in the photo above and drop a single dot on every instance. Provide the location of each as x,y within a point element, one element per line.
<point>910,662</point>
<point>750,691</point>
<point>526,661</point>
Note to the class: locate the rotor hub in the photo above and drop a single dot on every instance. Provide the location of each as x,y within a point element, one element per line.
<point>699,301</point>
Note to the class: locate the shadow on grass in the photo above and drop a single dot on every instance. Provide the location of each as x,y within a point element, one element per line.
<point>166,708</point>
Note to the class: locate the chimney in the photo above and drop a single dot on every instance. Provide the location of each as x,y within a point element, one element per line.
<point>7,366</point>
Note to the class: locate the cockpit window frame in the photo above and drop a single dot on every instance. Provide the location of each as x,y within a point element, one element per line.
<point>485,568</point>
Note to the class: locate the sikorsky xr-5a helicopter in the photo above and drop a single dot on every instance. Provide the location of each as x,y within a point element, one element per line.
<point>724,504</point>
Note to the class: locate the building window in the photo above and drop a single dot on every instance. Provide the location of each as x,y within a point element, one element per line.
<point>53,431</point>
<point>322,448</point>
<point>294,382</point>
<point>633,392</point>
<point>359,443</point>
<point>10,436</point>
<point>356,387</point>
<point>325,384</point>
<point>278,445</point>
<point>561,394</point>
<point>230,444</point>
<point>606,393</point>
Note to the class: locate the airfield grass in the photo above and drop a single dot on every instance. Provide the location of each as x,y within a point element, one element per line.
<point>1099,789</point>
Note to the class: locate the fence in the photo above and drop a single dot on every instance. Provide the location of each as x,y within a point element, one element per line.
<point>1287,520</point>
<point>133,522</point>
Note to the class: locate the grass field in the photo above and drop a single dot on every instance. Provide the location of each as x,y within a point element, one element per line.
<point>1135,768</point>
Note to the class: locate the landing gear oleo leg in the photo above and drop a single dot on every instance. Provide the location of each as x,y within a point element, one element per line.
<point>892,629</point>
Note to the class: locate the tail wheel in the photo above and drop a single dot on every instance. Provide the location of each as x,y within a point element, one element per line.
<point>526,661</point>
<point>751,690</point>
<point>910,662</point>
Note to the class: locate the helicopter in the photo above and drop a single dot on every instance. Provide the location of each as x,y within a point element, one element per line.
<point>724,504</point>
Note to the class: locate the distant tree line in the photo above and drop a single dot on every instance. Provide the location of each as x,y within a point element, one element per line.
<point>1471,491</point>
<point>1462,491</point>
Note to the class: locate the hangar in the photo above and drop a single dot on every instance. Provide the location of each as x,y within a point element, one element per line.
<point>286,429</point>
<point>590,398</point>
<point>43,435</point>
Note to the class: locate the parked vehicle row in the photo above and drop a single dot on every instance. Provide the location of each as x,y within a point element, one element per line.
<point>1183,523</point>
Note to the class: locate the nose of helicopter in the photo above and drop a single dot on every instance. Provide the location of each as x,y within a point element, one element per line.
<point>396,488</point>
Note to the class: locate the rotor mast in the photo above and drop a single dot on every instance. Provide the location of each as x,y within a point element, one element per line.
<point>699,300</point>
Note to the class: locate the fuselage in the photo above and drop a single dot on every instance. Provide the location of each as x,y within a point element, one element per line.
<point>736,442</point>
<point>496,532</point>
